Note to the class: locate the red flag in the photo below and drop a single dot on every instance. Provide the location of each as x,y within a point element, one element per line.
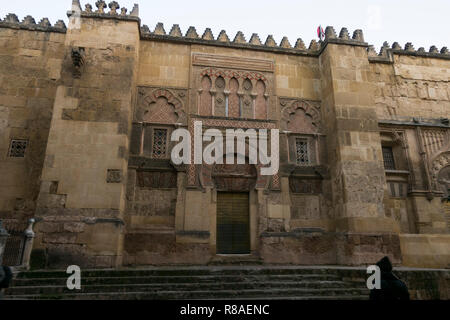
<point>320,32</point>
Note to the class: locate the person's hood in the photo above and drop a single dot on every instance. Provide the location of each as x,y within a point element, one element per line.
<point>385,265</point>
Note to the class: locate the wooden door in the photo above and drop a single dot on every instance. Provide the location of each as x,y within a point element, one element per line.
<point>233,223</point>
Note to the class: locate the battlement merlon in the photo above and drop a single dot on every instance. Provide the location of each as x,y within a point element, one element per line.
<point>239,41</point>
<point>115,12</point>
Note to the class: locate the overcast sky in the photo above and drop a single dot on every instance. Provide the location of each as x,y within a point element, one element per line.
<point>424,23</point>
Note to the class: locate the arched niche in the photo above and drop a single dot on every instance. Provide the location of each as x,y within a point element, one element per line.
<point>161,106</point>
<point>300,117</point>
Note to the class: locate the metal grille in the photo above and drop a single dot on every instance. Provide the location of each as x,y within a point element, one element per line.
<point>12,256</point>
<point>388,158</point>
<point>17,148</point>
<point>159,143</point>
<point>302,154</point>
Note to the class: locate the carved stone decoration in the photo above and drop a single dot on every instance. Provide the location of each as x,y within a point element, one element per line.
<point>114,176</point>
<point>114,5</point>
<point>233,177</point>
<point>443,181</point>
<point>300,116</point>
<point>193,172</point>
<point>439,162</point>
<point>77,55</point>
<point>158,105</point>
<point>101,5</point>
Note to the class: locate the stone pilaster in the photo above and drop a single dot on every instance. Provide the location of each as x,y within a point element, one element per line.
<point>355,157</point>
<point>82,196</point>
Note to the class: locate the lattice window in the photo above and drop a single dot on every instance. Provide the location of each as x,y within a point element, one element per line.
<point>17,148</point>
<point>388,157</point>
<point>159,148</point>
<point>302,151</point>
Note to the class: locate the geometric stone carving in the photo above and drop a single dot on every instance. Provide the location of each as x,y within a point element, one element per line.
<point>164,106</point>
<point>114,176</point>
<point>441,161</point>
<point>299,116</point>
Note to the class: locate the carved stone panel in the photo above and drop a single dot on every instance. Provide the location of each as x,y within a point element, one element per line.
<point>161,105</point>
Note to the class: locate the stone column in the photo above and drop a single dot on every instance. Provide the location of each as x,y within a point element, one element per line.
<point>28,245</point>
<point>3,237</point>
<point>356,163</point>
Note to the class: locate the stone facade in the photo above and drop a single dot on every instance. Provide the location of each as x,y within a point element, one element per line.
<point>87,111</point>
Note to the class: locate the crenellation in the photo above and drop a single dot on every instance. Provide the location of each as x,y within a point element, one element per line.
<point>285,43</point>
<point>123,11</point>
<point>299,44</point>
<point>344,34</point>
<point>145,29</point>
<point>396,46</point>
<point>270,41</point>
<point>421,50</point>
<point>28,21</point>
<point>409,47</point>
<point>314,46</point>
<point>191,33</point>
<point>159,29</point>
<point>330,33</point>
<point>384,49</point>
<point>113,6</point>
<point>239,38</point>
<point>444,50</point>
<point>45,23</point>
<point>88,8</point>
<point>223,37</point>
<point>208,35</point>
<point>12,18</point>
<point>371,51</point>
<point>255,40</point>
<point>175,31</point>
<point>434,49</point>
<point>101,5</point>
<point>358,35</point>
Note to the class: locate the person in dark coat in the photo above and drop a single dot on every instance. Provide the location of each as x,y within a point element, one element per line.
<point>5,278</point>
<point>392,288</point>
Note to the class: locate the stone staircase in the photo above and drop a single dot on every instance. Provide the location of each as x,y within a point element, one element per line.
<point>212,282</point>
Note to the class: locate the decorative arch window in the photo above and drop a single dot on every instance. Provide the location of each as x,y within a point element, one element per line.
<point>157,113</point>
<point>221,100</point>
<point>235,94</point>
<point>247,100</point>
<point>205,105</point>
<point>260,101</point>
<point>234,100</point>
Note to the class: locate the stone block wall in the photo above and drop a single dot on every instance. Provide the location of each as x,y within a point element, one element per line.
<point>30,62</point>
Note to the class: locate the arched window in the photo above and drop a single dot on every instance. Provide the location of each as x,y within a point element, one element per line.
<point>205,107</point>
<point>220,101</point>
<point>260,101</point>
<point>247,100</point>
<point>233,101</point>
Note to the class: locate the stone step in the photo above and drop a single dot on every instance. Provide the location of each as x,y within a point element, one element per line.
<point>173,279</point>
<point>237,286</point>
<point>181,272</point>
<point>203,294</point>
